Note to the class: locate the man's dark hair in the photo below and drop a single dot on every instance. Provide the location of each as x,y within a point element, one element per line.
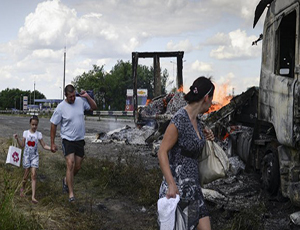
<point>69,89</point>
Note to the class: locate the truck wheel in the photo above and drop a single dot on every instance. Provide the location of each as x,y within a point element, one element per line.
<point>270,171</point>
<point>243,146</point>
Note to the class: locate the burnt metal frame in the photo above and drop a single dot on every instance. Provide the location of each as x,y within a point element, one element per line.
<point>157,79</point>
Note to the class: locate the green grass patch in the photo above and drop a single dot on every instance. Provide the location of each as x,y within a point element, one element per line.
<point>99,185</point>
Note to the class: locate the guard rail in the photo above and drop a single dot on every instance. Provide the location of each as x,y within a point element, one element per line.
<point>98,113</point>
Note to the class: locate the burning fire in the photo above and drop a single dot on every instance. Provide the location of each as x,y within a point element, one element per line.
<point>180,89</point>
<point>220,98</point>
<point>148,102</point>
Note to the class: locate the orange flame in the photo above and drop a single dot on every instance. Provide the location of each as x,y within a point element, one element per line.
<point>148,101</point>
<point>220,98</point>
<point>180,89</point>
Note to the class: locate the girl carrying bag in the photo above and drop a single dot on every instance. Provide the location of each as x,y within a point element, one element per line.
<point>213,163</point>
<point>14,155</point>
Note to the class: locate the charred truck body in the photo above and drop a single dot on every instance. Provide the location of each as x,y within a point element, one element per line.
<point>279,97</point>
<point>269,141</point>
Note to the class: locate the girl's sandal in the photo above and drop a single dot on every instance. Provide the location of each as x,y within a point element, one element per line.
<point>34,201</point>
<point>22,192</point>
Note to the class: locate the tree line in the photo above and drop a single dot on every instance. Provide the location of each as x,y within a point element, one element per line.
<point>13,98</point>
<point>109,88</point>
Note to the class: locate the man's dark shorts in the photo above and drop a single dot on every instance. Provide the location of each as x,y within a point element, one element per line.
<point>76,147</point>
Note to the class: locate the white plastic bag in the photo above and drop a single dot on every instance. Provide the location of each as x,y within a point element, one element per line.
<point>166,209</point>
<point>14,156</point>
<point>213,163</point>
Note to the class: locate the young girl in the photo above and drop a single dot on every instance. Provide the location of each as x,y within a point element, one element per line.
<point>30,153</point>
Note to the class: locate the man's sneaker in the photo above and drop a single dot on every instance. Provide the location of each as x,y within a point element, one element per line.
<point>64,186</point>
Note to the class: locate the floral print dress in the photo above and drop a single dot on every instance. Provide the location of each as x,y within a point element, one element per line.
<point>183,160</point>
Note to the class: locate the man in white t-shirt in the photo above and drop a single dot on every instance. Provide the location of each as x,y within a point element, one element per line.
<point>69,114</point>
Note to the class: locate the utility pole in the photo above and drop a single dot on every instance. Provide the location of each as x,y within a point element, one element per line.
<point>34,92</point>
<point>20,101</point>
<point>64,69</point>
<point>174,79</point>
<point>178,84</point>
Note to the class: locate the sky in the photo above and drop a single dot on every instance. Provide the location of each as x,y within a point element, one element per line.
<point>215,35</point>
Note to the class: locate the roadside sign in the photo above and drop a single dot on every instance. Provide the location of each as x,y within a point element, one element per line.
<point>25,102</point>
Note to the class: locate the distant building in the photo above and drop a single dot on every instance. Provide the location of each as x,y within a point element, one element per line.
<point>47,103</point>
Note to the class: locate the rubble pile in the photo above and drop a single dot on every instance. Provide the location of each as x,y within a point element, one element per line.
<point>154,117</point>
<point>161,108</point>
<point>126,135</point>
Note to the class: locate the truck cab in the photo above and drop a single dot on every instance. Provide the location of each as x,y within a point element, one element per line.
<point>278,101</point>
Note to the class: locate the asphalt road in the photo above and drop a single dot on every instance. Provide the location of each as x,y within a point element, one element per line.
<point>11,124</point>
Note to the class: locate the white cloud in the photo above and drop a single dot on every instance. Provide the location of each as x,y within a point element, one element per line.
<point>242,9</point>
<point>185,45</point>
<point>227,79</point>
<point>101,32</point>
<point>240,47</point>
<point>5,72</point>
<point>47,26</point>
<point>218,39</point>
<point>202,66</point>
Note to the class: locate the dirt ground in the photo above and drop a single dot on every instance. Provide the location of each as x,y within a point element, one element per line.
<point>238,202</point>
<point>243,200</point>
<point>235,202</point>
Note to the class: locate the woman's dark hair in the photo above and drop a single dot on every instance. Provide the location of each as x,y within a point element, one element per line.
<point>69,89</point>
<point>201,87</point>
<point>33,117</point>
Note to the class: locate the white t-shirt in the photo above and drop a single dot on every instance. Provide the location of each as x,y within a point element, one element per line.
<point>71,119</point>
<point>31,141</point>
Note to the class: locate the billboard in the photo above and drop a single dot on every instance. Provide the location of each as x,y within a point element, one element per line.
<point>142,95</point>
<point>25,102</point>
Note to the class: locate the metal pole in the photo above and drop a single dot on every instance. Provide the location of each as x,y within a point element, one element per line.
<point>34,93</point>
<point>64,69</point>
<point>174,79</point>
<point>20,101</point>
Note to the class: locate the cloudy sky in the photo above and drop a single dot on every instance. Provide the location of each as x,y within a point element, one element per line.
<point>215,35</point>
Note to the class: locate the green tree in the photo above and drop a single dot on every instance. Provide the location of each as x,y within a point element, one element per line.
<point>117,81</point>
<point>110,88</point>
<point>13,98</point>
<point>92,80</point>
<point>120,79</point>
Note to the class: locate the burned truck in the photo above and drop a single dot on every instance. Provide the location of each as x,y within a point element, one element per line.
<point>276,137</point>
<point>262,125</point>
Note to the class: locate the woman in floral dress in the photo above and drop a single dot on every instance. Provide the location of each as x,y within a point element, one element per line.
<point>178,157</point>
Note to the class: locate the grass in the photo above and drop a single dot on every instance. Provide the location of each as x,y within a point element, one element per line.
<point>10,216</point>
<point>109,195</point>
